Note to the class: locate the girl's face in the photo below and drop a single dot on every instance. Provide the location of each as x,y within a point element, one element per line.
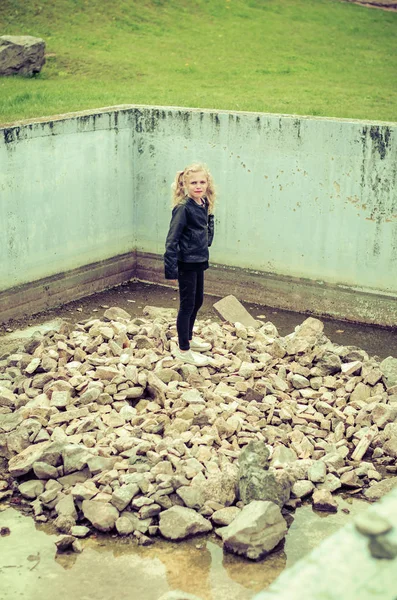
<point>196,185</point>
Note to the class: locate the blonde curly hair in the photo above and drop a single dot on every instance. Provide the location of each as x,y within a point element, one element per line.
<point>179,185</point>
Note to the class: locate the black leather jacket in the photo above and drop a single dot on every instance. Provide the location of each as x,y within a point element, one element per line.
<point>190,234</point>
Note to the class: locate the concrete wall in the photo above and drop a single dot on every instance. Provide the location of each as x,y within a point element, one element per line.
<point>66,189</point>
<point>307,201</point>
<point>301,197</point>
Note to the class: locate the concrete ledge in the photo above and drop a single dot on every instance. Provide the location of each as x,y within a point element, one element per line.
<point>300,295</point>
<point>53,291</point>
<point>342,568</point>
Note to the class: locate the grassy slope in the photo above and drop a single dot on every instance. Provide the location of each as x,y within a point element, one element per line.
<point>313,57</point>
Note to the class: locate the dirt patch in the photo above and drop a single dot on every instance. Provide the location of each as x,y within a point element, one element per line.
<point>390,5</point>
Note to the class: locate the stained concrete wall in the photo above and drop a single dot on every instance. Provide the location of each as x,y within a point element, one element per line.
<point>302,197</point>
<point>66,189</point>
<point>309,200</point>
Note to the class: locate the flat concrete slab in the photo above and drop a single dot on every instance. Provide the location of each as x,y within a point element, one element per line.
<point>230,309</point>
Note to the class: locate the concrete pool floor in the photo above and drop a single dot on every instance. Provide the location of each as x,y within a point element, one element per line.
<point>111,567</point>
<point>133,296</point>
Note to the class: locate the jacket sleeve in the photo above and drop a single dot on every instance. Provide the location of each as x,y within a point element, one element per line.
<point>210,229</point>
<point>177,225</point>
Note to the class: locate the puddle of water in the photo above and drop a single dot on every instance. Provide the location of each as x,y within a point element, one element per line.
<point>111,567</point>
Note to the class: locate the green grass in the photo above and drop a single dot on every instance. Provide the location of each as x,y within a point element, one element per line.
<point>308,57</point>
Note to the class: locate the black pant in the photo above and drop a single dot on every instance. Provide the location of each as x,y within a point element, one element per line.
<point>191,296</point>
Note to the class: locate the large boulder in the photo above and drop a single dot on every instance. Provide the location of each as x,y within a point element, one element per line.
<point>257,481</point>
<point>258,529</point>
<point>274,486</point>
<point>21,55</point>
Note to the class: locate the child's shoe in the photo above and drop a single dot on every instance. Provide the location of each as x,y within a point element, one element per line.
<point>199,345</point>
<point>192,358</point>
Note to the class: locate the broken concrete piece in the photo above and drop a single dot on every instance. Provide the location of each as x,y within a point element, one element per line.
<point>256,530</point>
<point>230,309</point>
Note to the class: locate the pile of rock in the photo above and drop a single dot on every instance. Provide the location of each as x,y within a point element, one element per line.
<point>103,427</point>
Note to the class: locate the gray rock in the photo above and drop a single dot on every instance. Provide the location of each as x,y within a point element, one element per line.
<point>323,500</point>
<point>116,314</point>
<point>329,364</point>
<point>350,480</point>
<point>7,397</point>
<point>75,458</point>
<point>192,397</point>
<point>317,472</point>
<point>383,546</point>
<point>255,454</point>
<point>390,447</point>
<point>225,516</point>
<point>300,489</point>
<point>331,483</point>
<point>60,399</point>
<point>97,464</point>
<point>43,470</point>
<point>179,522</point>
<point>77,547</point>
<point>64,542</point>
<point>156,312</point>
<point>383,414</point>
<point>305,336</point>
<point>361,393</point>
<point>255,531</point>
<point>146,512</point>
<point>222,487</point>
<point>124,526</point>
<point>123,495</point>
<point>66,508</point>
<point>21,55</point>
<point>80,531</point>
<point>101,515</point>
<point>31,489</point>
<point>282,456</point>
<point>192,496</point>
<point>23,462</point>
<point>256,484</point>
<point>230,309</point>
<point>370,523</point>
<point>388,366</point>
<point>380,488</point>
<point>141,525</point>
<point>73,478</point>
<point>299,381</point>
<point>10,421</point>
<point>64,524</point>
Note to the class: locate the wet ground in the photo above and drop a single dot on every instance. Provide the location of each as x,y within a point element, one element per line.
<point>134,296</point>
<point>111,567</point>
<point>116,568</point>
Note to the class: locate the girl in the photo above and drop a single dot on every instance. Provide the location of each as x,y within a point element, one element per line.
<point>186,253</point>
